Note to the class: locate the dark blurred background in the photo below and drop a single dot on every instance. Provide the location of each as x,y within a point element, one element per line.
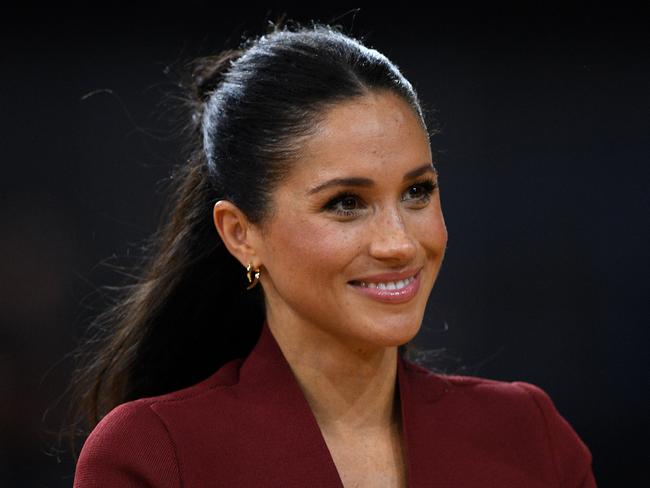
<point>543,157</point>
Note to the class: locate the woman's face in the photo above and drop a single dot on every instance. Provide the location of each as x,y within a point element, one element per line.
<point>362,202</point>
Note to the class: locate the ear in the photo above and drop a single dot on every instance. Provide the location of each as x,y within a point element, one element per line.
<point>236,232</point>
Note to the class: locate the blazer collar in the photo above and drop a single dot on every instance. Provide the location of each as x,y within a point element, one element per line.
<point>267,372</point>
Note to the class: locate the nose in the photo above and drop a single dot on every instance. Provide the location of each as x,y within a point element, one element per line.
<point>391,240</point>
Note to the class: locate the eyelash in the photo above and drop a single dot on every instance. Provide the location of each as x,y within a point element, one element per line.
<point>427,185</point>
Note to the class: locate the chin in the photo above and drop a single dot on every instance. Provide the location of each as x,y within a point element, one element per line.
<point>395,331</point>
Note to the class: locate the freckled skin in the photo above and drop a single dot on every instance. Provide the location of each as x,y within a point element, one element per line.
<point>340,344</point>
<point>309,254</point>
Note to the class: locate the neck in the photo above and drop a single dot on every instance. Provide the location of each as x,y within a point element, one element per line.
<point>347,388</point>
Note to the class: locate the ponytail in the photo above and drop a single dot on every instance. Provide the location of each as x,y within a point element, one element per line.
<point>188,312</point>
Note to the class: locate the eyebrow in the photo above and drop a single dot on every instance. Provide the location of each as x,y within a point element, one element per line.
<point>367,182</point>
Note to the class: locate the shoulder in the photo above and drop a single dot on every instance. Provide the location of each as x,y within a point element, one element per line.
<point>484,392</point>
<point>522,396</point>
<point>519,411</point>
<point>135,442</point>
<point>474,390</point>
<point>130,444</point>
<point>518,394</point>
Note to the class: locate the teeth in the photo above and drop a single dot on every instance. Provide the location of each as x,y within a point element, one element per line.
<point>388,285</point>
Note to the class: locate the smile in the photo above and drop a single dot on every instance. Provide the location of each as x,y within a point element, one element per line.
<point>389,285</point>
<point>397,291</point>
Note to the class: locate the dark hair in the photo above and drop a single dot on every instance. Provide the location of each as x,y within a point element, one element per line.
<point>249,108</point>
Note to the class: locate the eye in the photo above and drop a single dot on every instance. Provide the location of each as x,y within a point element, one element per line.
<point>421,191</point>
<point>344,204</point>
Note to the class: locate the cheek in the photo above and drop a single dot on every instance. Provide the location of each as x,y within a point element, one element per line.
<point>309,250</point>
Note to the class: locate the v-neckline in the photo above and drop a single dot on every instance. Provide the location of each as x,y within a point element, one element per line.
<point>401,434</point>
<point>268,368</point>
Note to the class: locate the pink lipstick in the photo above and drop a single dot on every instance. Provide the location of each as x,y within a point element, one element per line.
<point>389,287</point>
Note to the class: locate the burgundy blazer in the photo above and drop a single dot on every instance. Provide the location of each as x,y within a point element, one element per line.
<point>249,425</point>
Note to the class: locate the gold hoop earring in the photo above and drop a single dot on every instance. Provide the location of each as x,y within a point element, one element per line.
<point>253,276</point>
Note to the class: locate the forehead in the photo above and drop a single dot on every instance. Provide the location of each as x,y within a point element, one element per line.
<point>376,133</point>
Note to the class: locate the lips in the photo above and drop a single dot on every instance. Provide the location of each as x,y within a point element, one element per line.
<point>387,277</point>
<point>389,287</point>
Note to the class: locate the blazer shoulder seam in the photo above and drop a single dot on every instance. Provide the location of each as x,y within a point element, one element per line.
<point>173,444</point>
<point>547,431</point>
<point>192,392</point>
<point>468,381</point>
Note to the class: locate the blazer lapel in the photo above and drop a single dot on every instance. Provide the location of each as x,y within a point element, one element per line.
<point>270,382</point>
<point>419,390</point>
<point>288,422</point>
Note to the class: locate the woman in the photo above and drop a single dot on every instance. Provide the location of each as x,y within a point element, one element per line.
<point>312,177</point>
